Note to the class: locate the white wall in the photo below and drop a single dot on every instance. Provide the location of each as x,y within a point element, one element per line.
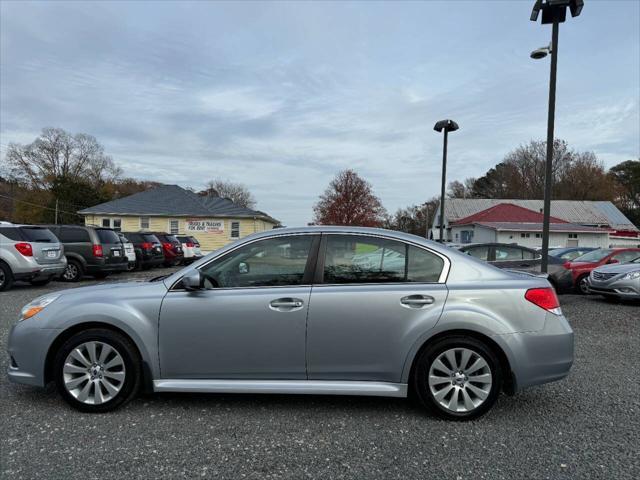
<point>480,234</point>
<point>555,239</point>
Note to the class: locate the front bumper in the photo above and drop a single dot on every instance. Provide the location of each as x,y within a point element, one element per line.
<point>28,346</point>
<point>543,356</point>
<point>629,288</point>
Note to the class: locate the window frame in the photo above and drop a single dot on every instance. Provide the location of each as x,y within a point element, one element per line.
<point>307,277</point>
<point>148,222</point>
<point>318,279</point>
<point>231,230</point>
<point>170,231</point>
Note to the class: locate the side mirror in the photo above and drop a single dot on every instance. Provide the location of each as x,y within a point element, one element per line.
<point>613,260</point>
<point>192,281</point>
<point>243,268</point>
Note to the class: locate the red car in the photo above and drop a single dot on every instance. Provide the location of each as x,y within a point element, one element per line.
<point>171,248</point>
<point>581,267</point>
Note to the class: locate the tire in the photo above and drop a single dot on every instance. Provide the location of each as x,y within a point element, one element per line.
<point>6,277</point>
<point>581,285</point>
<point>117,384</point>
<point>73,273</point>
<point>40,283</point>
<point>100,275</point>
<point>472,398</point>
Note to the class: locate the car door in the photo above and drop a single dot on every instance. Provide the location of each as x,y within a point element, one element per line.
<point>372,298</point>
<point>249,321</point>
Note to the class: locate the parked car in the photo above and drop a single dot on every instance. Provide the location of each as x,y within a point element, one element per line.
<point>94,251</point>
<point>190,248</point>
<point>148,249</point>
<point>29,253</point>
<point>517,257</point>
<point>129,252</point>
<point>581,267</point>
<point>620,280</point>
<point>570,253</point>
<point>171,248</point>
<point>297,311</point>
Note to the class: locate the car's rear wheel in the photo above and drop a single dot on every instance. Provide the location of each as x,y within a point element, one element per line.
<point>97,370</point>
<point>73,272</point>
<point>458,378</point>
<point>583,284</point>
<point>6,277</point>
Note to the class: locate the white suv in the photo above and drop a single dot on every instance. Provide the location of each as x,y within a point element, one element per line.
<point>190,248</point>
<point>29,253</point>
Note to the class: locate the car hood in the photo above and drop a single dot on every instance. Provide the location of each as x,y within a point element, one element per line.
<point>107,287</point>
<point>619,268</point>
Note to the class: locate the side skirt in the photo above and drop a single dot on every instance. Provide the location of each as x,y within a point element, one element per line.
<point>309,387</point>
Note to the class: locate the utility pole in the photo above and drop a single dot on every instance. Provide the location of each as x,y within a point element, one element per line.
<point>56,222</point>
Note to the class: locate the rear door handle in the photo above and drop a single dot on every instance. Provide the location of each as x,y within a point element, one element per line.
<point>417,301</point>
<point>286,304</point>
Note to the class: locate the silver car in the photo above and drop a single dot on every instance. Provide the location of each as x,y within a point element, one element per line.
<point>29,253</point>
<point>303,311</point>
<point>620,280</point>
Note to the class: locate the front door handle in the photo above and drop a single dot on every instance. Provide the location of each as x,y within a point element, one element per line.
<point>417,301</point>
<point>286,304</point>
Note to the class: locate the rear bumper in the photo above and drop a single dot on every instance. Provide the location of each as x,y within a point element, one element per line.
<point>540,357</point>
<point>41,271</point>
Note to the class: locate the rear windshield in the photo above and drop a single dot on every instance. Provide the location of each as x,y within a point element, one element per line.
<point>107,236</point>
<point>183,239</point>
<point>194,240</point>
<point>594,256</point>
<point>150,238</point>
<point>171,239</point>
<point>37,234</point>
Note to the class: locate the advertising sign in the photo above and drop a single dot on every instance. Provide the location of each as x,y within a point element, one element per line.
<point>204,226</point>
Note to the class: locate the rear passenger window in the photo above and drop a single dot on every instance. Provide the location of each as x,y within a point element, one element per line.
<point>361,259</point>
<point>73,235</point>
<point>107,236</point>
<point>11,233</point>
<point>481,253</point>
<point>527,255</point>
<point>423,266</point>
<point>508,253</point>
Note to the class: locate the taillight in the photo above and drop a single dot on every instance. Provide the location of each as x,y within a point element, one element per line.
<point>545,298</point>
<point>97,250</point>
<point>146,245</point>
<point>167,246</point>
<point>190,245</point>
<point>25,249</point>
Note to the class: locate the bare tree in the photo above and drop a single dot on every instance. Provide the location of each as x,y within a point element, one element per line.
<point>238,193</point>
<point>57,156</point>
<point>349,200</point>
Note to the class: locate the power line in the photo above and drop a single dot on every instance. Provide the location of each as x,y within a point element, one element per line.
<point>38,205</point>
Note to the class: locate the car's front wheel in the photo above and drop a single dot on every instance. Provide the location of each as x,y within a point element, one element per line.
<point>458,378</point>
<point>97,370</point>
<point>583,284</point>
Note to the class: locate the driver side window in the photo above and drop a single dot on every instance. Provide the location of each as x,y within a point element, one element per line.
<point>266,263</point>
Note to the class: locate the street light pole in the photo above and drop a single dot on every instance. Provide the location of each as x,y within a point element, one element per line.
<point>548,177</point>
<point>553,12</point>
<point>447,126</point>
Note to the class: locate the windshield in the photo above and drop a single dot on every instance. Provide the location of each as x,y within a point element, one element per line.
<point>594,256</point>
<point>35,234</point>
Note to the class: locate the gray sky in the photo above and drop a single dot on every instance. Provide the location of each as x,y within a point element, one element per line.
<point>281,96</point>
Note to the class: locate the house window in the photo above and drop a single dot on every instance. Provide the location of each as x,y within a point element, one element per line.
<point>174,227</point>
<point>115,223</point>
<point>525,235</point>
<point>538,235</point>
<point>144,223</point>
<point>235,229</point>
<point>573,235</point>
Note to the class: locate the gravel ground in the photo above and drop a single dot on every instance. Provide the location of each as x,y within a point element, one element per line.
<point>583,427</point>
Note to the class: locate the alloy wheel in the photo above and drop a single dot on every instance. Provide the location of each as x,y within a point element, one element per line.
<point>3,278</point>
<point>583,285</point>
<point>70,272</point>
<point>94,373</point>
<point>460,380</point>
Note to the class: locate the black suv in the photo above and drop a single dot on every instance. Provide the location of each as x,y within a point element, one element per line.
<point>148,249</point>
<point>94,251</point>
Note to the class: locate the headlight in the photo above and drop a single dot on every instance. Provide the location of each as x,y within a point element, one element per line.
<point>632,275</point>
<point>31,309</point>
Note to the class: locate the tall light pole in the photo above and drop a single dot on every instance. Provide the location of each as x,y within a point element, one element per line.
<point>447,126</point>
<point>554,12</point>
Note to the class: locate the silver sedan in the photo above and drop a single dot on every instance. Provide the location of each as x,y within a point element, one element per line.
<point>316,310</point>
<point>620,280</point>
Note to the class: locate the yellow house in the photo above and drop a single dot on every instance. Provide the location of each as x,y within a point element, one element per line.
<point>214,221</point>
